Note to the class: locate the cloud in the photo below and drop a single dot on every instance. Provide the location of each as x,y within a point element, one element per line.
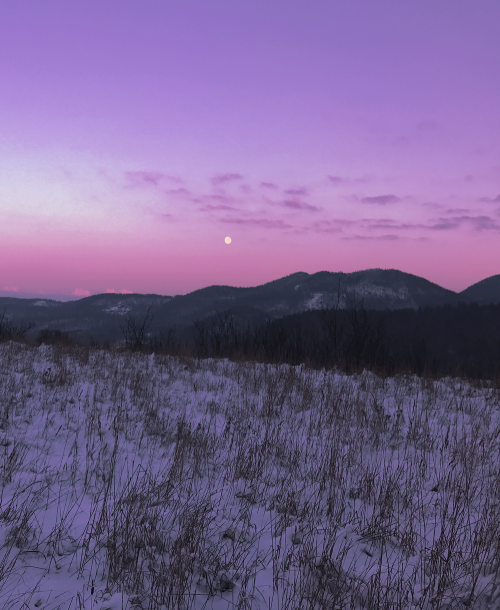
<point>390,224</point>
<point>122,291</point>
<point>381,199</point>
<point>332,226</point>
<point>174,179</point>
<point>490,199</point>
<point>478,223</point>
<point>300,191</point>
<point>338,180</point>
<point>11,288</point>
<point>220,198</point>
<point>80,292</point>
<point>444,225</point>
<point>258,222</point>
<point>388,237</point>
<point>143,178</point>
<point>299,205</point>
<point>210,207</point>
<point>178,192</point>
<point>326,226</point>
<point>269,185</point>
<point>223,178</point>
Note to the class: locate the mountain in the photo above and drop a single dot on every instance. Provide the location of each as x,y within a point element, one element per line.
<point>102,316</point>
<point>484,292</point>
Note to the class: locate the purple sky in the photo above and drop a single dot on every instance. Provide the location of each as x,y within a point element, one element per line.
<point>319,135</point>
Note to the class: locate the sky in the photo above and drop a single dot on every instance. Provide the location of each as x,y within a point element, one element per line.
<point>135,136</point>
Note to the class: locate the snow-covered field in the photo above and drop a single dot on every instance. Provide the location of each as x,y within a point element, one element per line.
<point>139,481</point>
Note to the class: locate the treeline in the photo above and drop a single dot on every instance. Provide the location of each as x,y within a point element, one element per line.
<point>12,332</point>
<point>439,341</point>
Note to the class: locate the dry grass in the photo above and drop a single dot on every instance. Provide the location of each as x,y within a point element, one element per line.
<point>153,482</point>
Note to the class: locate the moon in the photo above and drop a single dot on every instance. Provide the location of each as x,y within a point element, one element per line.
<point>227,240</point>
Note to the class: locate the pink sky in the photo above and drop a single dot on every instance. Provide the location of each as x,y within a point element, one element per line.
<point>135,136</point>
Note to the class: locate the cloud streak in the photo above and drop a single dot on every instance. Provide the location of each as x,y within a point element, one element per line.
<point>300,205</point>
<point>388,237</point>
<point>224,178</point>
<point>298,192</point>
<point>264,223</point>
<point>214,208</point>
<point>381,199</point>
<point>143,178</point>
<point>490,199</point>
<point>269,185</point>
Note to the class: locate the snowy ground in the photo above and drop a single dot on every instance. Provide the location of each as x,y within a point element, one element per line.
<point>137,481</point>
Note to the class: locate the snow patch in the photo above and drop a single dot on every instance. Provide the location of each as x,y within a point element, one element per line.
<point>120,309</point>
<point>316,302</point>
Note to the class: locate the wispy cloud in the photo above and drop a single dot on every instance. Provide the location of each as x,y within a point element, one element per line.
<point>388,237</point>
<point>122,291</point>
<point>343,180</point>
<point>298,192</point>
<point>433,205</point>
<point>392,225</point>
<point>143,178</point>
<point>174,179</point>
<point>223,178</point>
<point>490,199</point>
<point>299,205</point>
<point>332,226</point>
<point>443,225</point>
<point>220,197</point>
<point>381,199</point>
<point>180,192</point>
<point>11,288</point>
<point>457,211</point>
<point>211,207</point>
<point>269,185</point>
<point>265,223</point>
<point>478,223</point>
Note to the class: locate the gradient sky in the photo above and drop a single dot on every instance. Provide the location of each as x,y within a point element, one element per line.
<point>319,134</point>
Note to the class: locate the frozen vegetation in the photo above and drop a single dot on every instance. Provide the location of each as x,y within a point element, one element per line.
<point>135,481</point>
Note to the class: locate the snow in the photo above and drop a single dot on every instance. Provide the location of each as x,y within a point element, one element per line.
<point>316,301</point>
<point>120,309</point>
<point>135,481</point>
<point>366,289</point>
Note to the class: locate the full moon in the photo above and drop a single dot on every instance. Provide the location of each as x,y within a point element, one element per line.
<point>227,240</point>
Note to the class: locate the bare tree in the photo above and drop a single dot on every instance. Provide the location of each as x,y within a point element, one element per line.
<point>9,331</point>
<point>135,331</point>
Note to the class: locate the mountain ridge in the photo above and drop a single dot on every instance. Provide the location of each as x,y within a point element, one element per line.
<point>103,315</point>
